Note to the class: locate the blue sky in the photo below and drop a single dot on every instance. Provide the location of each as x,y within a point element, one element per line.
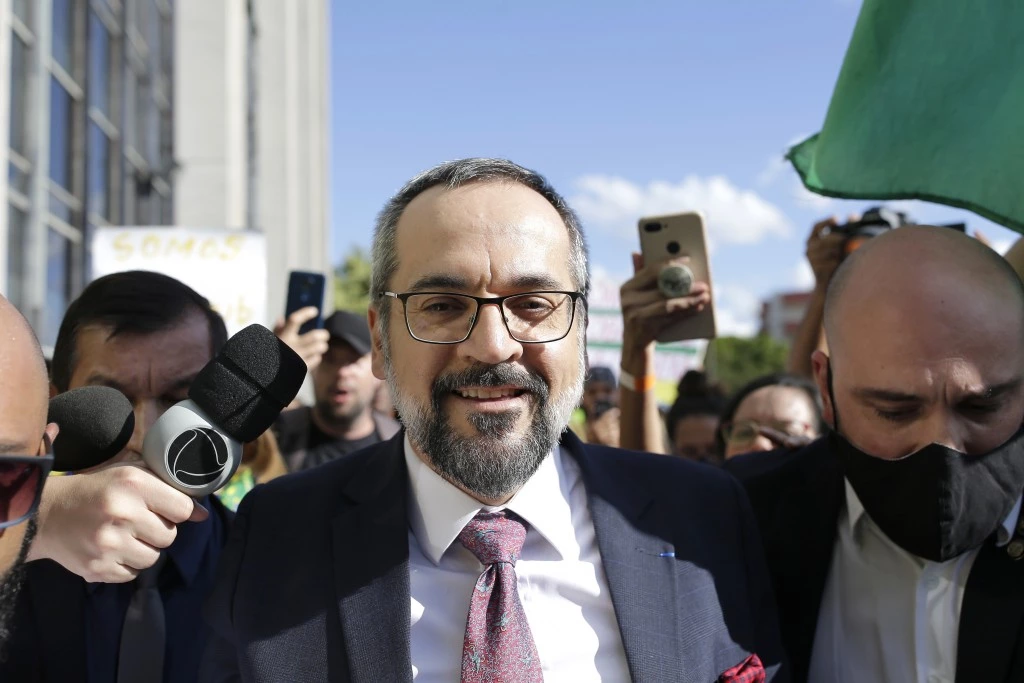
<point>629,109</point>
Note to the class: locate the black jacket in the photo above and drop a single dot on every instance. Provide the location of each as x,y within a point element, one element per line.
<point>797,498</point>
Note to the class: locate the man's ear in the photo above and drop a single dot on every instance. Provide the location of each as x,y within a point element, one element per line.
<point>374,319</point>
<point>49,436</point>
<point>821,366</point>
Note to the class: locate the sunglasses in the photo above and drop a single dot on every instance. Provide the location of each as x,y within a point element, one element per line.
<point>21,486</point>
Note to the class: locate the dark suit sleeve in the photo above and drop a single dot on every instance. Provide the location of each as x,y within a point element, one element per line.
<point>768,644</point>
<point>220,659</point>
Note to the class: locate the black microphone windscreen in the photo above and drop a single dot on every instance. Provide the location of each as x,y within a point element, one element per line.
<point>249,383</point>
<point>96,423</point>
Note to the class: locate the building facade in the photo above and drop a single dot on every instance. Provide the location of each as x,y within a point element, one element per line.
<point>782,313</point>
<point>198,113</point>
<point>88,138</point>
<point>252,93</point>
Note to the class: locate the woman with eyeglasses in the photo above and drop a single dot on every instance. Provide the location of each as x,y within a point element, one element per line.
<point>771,412</point>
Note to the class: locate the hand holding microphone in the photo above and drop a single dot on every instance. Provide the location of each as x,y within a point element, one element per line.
<point>107,525</point>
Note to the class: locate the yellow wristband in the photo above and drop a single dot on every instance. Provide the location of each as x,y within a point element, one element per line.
<point>637,385</point>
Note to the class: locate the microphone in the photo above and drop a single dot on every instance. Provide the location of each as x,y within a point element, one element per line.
<point>95,422</point>
<point>196,445</point>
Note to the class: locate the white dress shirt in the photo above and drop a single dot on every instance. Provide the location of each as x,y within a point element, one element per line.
<point>888,616</point>
<point>561,580</point>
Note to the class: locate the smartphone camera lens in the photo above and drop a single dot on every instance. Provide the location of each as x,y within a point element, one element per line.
<point>652,227</point>
<point>673,247</point>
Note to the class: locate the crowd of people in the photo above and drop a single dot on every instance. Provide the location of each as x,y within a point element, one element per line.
<point>466,498</point>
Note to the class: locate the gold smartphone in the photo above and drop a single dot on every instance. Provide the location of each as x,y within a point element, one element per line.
<point>666,237</point>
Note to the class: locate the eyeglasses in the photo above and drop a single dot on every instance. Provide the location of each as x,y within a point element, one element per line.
<point>446,318</point>
<point>746,431</point>
<point>21,486</point>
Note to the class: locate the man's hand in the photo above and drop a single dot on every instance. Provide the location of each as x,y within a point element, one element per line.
<point>604,430</point>
<point>825,251</point>
<point>108,525</point>
<point>646,311</point>
<point>310,346</point>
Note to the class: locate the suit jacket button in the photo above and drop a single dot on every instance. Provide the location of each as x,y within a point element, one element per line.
<point>1015,549</point>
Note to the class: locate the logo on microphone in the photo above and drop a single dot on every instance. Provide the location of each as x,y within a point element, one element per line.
<point>198,456</point>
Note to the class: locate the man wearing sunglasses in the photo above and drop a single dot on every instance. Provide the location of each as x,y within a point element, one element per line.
<point>486,542</point>
<point>122,564</point>
<point>25,438</point>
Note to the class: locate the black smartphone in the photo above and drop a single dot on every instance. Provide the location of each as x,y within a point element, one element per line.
<point>306,289</point>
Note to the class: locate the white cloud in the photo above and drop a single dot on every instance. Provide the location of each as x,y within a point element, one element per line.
<point>804,197</point>
<point>803,275</point>
<point>778,165</point>
<point>737,311</point>
<point>734,215</point>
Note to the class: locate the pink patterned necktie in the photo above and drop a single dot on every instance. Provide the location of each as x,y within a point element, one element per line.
<point>498,644</point>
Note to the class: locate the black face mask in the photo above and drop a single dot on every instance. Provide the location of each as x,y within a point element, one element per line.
<point>936,503</point>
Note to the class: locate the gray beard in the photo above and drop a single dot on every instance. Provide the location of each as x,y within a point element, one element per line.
<point>10,586</point>
<point>492,464</point>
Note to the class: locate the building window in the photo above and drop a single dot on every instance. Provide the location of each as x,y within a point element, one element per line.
<point>64,33</point>
<point>58,268</point>
<point>23,10</point>
<point>20,56</point>
<point>98,172</point>
<point>61,107</point>
<point>99,65</point>
<point>17,255</point>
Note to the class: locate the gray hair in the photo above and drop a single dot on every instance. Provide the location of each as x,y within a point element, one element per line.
<point>455,174</point>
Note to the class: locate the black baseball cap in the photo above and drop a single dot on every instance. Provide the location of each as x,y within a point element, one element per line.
<point>351,328</point>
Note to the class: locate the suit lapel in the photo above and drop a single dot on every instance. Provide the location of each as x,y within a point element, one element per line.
<point>371,569</point>
<point>58,601</point>
<point>991,618</point>
<point>641,577</point>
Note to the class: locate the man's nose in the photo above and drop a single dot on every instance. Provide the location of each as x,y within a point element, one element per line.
<point>946,430</point>
<point>490,342</point>
<point>146,413</point>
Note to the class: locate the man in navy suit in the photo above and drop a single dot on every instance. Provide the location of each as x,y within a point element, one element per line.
<point>485,541</point>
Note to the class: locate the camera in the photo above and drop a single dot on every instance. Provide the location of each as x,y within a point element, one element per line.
<point>600,408</point>
<point>873,223</point>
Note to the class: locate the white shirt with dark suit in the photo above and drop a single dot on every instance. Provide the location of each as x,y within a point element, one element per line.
<point>888,616</point>
<point>636,567</point>
<point>561,581</point>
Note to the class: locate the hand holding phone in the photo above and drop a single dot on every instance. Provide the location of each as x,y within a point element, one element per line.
<point>301,329</point>
<point>674,283</point>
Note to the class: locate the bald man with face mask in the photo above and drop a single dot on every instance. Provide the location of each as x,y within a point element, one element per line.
<point>894,543</point>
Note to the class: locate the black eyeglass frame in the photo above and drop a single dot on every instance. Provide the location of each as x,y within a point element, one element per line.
<point>45,463</point>
<point>498,301</point>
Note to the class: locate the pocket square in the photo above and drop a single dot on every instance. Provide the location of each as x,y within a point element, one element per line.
<point>750,670</point>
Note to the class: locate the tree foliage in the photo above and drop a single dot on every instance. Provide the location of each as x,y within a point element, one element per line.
<point>734,361</point>
<point>352,282</point>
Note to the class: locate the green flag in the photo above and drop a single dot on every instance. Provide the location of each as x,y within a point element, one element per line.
<point>929,105</point>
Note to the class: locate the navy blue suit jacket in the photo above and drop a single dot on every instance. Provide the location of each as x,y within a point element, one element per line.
<point>314,583</point>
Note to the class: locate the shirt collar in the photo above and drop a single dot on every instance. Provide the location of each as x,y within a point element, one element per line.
<point>855,512</point>
<point>438,510</point>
